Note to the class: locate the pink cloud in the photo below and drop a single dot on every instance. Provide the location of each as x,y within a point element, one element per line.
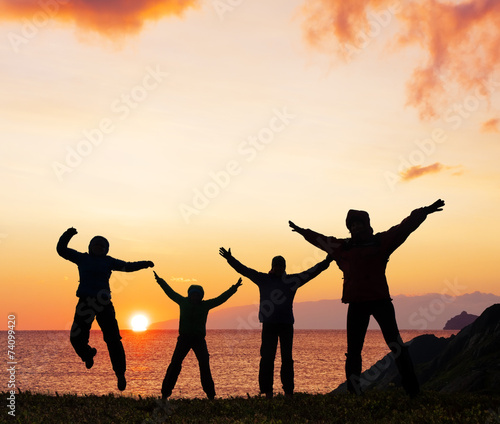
<point>491,126</point>
<point>460,41</point>
<point>111,18</point>
<point>419,171</point>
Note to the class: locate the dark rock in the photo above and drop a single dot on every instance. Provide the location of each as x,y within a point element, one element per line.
<point>460,321</point>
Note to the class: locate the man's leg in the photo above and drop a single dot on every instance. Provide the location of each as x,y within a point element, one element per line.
<point>286,347</point>
<point>386,317</point>
<point>111,334</point>
<point>182,348</point>
<point>267,356</point>
<point>358,318</point>
<point>80,332</point>
<point>201,351</point>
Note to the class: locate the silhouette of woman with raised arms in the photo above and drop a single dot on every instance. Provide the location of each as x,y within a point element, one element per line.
<point>94,300</point>
<point>192,330</point>
<point>363,259</point>
<point>277,292</point>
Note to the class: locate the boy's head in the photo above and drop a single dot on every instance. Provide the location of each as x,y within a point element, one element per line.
<point>278,265</point>
<point>99,246</point>
<point>358,224</point>
<point>196,293</point>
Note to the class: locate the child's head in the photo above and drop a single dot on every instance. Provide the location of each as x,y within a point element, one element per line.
<point>196,293</point>
<point>99,246</point>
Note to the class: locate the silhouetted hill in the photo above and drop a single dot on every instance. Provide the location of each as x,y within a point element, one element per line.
<point>466,362</point>
<point>460,321</point>
<point>429,311</point>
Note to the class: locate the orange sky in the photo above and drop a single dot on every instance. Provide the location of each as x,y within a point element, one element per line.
<point>174,128</point>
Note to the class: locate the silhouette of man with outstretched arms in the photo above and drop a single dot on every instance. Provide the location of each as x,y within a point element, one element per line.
<point>277,292</point>
<point>94,300</point>
<point>192,331</point>
<point>363,259</point>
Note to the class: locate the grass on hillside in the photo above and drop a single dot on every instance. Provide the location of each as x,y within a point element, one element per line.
<point>373,407</point>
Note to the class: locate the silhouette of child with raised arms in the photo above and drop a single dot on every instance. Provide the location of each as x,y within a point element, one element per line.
<point>277,291</point>
<point>363,259</point>
<point>192,331</point>
<point>94,301</point>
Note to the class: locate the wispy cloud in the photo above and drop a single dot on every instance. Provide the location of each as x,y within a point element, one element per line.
<point>460,40</point>
<point>419,171</point>
<point>491,126</point>
<point>183,280</point>
<point>112,18</point>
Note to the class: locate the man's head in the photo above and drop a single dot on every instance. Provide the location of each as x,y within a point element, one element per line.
<point>196,293</point>
<point>358,224</point>
<point>278,265</point>
<point>99,246</point>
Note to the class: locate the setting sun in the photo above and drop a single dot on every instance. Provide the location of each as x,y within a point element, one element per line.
<point>139,323</point>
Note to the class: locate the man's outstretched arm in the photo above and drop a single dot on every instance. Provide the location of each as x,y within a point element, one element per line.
<point>237,265</point>
<point>169,291</point>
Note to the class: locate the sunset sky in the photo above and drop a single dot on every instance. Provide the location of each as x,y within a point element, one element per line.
<point>173,128</point>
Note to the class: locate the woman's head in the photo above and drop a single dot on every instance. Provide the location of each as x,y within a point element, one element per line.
<point>358,224</point>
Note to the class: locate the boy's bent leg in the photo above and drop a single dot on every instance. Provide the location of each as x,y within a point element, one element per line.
<point>201,351</point>
<point>182,348</point>
<point>267,356</point>
<point>111,333</point>
<point>286,348</point>
<point>386,317</point>
<point>80,331</point>
<point>358,317</point>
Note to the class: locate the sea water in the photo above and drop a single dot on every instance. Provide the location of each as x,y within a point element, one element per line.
<point>46,362</point>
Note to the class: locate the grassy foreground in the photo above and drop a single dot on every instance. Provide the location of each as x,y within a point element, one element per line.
<point>373,407</point>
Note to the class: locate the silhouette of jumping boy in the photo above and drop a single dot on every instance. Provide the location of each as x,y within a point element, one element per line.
<point>363,259</point>
<point>94,301</point>
<point>192,330</point>
<point>277,291</point>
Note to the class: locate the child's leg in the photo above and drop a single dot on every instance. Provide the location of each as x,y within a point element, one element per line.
<point>80,330</point>
<point>111,334</point>
<point>182,348</point>
<point>201,351</point>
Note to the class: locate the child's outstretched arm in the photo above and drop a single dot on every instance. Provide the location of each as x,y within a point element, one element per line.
<point>219,300</point>
<point>62,245</point>
<point>169,291</point>
<point>136,266</point>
